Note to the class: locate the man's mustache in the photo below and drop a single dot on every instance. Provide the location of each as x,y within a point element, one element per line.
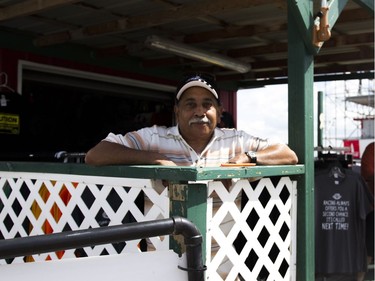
<point>199,120</point>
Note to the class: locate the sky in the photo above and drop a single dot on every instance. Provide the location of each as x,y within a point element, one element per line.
<point>254,108</point>
<point>263,112</point>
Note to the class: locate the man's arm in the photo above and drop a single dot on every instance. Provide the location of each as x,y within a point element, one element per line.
<point>275,154</point>
<point>108,153</point>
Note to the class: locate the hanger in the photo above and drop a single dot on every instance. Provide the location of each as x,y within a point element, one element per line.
<point>336,170</point>
<point>4,82</point>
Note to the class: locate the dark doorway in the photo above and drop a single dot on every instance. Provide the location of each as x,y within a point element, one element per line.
<point>57,117</point>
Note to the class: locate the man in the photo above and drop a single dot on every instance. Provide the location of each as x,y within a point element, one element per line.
<point>194,141</point>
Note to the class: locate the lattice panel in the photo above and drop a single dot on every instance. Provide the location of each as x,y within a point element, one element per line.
<point>35,204</point>
<point>253,241</point>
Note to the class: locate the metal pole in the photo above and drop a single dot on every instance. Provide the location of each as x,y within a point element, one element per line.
<point>25,246</point>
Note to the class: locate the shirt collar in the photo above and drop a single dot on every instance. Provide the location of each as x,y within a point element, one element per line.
<point>175,132</point>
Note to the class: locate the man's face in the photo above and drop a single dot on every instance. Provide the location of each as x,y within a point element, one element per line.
<point>197,113</point>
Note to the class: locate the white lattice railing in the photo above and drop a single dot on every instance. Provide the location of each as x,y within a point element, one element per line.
<point>262,230</point>
<point>35,204</point>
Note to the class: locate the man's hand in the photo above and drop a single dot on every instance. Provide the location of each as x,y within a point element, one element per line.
<point>275,154</point>
<point>239,159</point>
<point>165,163</point>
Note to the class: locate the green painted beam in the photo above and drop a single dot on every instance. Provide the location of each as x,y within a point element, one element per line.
<point>335,9</point>
<point>301,133</point>
<point>367,4</point>
<point>189,201</point>
<point>317,78</point>
<point>153,172</point>
<point>303,15</point>
<point>320,118</point>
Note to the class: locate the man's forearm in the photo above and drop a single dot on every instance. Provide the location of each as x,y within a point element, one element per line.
<point>108,153</point>
<point>277,154</point>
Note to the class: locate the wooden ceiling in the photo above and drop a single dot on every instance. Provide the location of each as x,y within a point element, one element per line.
<point>250,31</point>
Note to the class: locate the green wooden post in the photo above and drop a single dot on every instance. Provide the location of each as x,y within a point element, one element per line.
<point>189,201</point>
<point>320,118</point>
<point>301,124</point>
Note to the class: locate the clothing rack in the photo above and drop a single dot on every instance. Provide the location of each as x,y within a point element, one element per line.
<point>331,155</point>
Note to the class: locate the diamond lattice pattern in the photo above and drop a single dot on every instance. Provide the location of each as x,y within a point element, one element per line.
<point>250,230</point>
<point>32,204</point>
<point>248,225</point>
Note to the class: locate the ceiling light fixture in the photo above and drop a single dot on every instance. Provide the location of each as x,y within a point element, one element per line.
<point>183,50</point>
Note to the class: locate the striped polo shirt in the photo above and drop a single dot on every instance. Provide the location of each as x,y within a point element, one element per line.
<point>225,144</point>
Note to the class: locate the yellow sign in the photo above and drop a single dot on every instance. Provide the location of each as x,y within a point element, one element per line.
<point>9,123</point>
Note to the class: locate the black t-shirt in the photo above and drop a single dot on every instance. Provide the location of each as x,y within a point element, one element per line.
<point>342,202</point>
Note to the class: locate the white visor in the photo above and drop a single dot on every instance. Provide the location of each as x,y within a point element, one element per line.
<point>197,83</point>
